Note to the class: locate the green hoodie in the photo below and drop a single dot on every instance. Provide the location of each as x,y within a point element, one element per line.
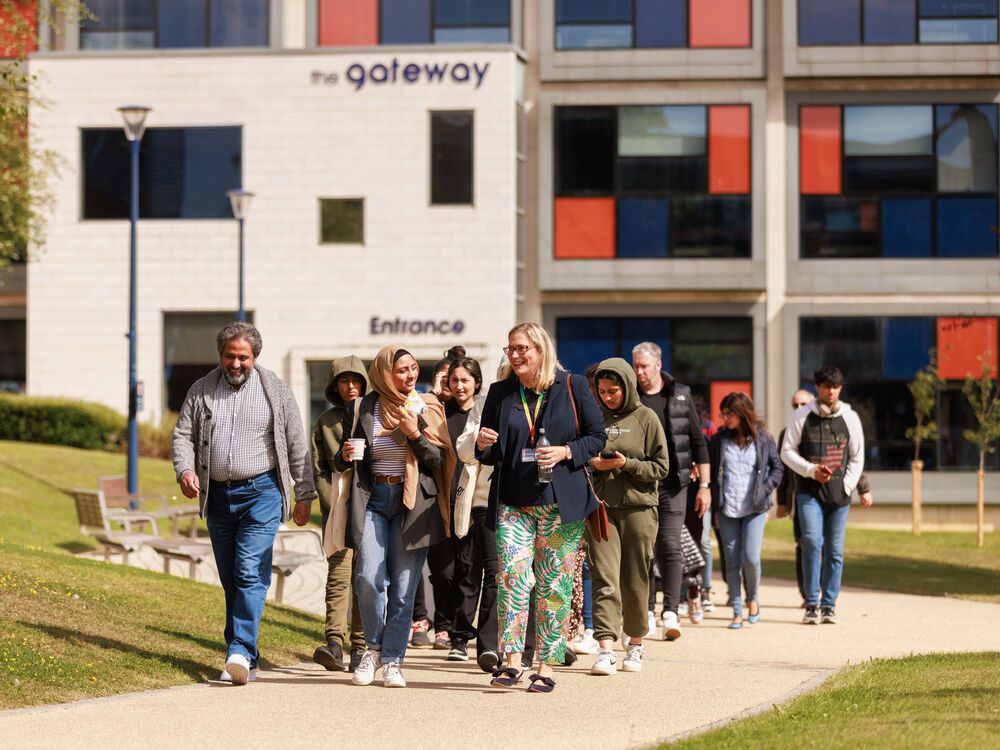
<point>328,435</point>
<point>634,431</point>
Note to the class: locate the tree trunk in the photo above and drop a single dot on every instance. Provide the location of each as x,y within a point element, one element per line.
<point>917,468</point>
<point>980,508</point>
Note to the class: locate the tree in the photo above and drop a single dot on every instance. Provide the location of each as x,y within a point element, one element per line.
<point>923,388</point>
<point>984,398</point>
<point>25,170</point>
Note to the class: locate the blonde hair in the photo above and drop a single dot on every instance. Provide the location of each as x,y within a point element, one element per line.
<point>540,338</point>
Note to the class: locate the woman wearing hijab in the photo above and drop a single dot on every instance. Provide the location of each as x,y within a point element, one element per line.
<point>399,506</point>
<point>538,523</point>
<point>626,476</point>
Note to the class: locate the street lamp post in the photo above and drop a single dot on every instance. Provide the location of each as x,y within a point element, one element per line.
<point>135,124</point>
<point>240,202</point>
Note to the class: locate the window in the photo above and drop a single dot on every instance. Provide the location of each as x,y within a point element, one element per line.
<point>644,24</point>
<point>184,173</point>
<point>831,22</point>
<point>342,220</point>
<point>13,355</point>
<point>656,181</point>
<point>371,22</point>
<point>699,352</point>
<point>878,357</point>
<point>145,24</point>
<point>189,349</point>
<point>451,158</point>
<point>898,181</point>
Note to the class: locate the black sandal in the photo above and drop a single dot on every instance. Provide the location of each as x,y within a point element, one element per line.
<point>507,677</point>
<point>541,684</point>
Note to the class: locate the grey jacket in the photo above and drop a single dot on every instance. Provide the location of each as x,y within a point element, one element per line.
<point>192,435</point>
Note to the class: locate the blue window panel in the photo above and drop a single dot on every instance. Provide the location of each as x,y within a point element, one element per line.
<point>181,24</point>
<point>958,31</point>
<point>642,228</point>
<point>593,11</point>
<point>966,148</point>
<point>906,227</point>
<point>592,36</point>
<point>581,342</point>
<point>905,345</point>
<point>661,23</point>
<point>116,39</point>
<point>472,35</point>
<point>965,227</point>
<point>957,8</point>
<point>239,23</point>
<point>890,21</point>
<point>472,12</point>
<point>829,22</point>
<point>119,15</point>
<point>634,331</point>
<point>888,130</point>
<point>405,22</point>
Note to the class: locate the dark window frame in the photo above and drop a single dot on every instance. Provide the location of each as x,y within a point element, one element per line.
<point>352,199</point>
<point>471,203</point>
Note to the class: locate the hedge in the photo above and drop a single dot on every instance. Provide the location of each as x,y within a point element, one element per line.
<point>78,424</point>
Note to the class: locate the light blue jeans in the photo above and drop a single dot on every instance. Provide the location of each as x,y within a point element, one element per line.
<point>823,528</point>
<point>242,520</point>
<point>742,538</point>
<point>706,550</point>
<point>386,574</point>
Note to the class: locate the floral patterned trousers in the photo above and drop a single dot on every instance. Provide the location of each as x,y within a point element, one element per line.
<point>536,551</point>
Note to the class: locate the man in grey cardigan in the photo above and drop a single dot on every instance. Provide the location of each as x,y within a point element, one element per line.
<point>238,445</point>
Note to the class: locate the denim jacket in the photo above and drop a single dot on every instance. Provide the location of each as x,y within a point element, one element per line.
<point>767,477</point>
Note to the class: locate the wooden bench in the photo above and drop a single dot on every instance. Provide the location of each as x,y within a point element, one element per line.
<point>118,498</point>
<point>183,550</point>
<point>95,521</point>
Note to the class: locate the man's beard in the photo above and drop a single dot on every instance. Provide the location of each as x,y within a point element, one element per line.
<point>236,379</point>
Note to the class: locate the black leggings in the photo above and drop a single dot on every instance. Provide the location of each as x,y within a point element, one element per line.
<point>668,550</point>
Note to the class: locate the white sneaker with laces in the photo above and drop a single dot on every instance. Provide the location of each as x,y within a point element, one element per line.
<point>650,623</point>
<point>392,676</point>
<point>633,657</point>
<point>682,609</point>
<point>238,667</point>
<point>606,663</point>
<point>671,626</point>
<point>365,673</point>
<point>226,677</point>
<point>586,644</point>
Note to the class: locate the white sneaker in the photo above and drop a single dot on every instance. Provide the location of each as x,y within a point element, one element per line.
<point>682,609</point>
<point>365,673</point>
<point>586,644</point>
<point>606,663</point>
<point>238,667</point>
<point>633,657</point>
<point>226,677</point>
<point>671,626</point>
<point>650,624</point>
<point>392,676</point>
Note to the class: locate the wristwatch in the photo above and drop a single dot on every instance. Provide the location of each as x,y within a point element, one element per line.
<point>704,485</point>
<point>569,453</point>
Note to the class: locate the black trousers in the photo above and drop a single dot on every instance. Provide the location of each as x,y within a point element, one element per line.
<point>668,549</point>
<point>448,561</point>
<point>797,533</point>
<point>476,584</point>
<point>419,602</point>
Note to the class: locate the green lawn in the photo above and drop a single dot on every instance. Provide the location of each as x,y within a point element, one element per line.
<point>938,701</point>
<point>73,628</point>
<point>943,563</point>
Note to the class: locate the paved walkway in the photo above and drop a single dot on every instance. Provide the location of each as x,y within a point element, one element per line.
<point>709,675</point>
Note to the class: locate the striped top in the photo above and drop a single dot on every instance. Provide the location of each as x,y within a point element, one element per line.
<point>388,456</point>
<point>242,432</point>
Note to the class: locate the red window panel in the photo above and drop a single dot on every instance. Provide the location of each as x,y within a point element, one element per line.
<point>585,228</point>
<point>720,23</point>
<point>722,388</point>
<point>819,150</point>
<point>963,344</point>
<point>14,45</point>
<point>348,23</point>
<point>729,149</point>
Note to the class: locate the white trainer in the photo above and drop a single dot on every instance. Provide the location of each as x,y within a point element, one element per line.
<point>238,667</point>
<point>671,626</point>
<point>606,663</point>
<point>650,623</point>
<point>633,657</point>
<point>392,676</point>
<point>365,673</point>
<point>586,643</point>
<point>226,677</point>
<point>682,609</point>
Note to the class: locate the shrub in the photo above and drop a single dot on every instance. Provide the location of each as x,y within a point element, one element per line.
<point>155,441</point>
<point>78,424</point>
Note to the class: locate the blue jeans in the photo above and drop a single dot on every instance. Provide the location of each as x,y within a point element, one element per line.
<point>823,529</point>
<point>706,550</point>
<point>242,520</point>
<point>742,538</point>
<point>588,598</point>
<point>386,574</point>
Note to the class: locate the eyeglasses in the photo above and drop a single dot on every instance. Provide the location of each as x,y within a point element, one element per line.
<point>726,414</point>
<point>518,350</point>
<point>799,406</point>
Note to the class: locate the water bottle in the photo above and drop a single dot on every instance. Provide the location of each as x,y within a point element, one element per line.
<point>544,475</point>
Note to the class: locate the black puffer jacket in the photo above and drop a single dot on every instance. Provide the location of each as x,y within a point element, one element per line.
<point>686,442</point>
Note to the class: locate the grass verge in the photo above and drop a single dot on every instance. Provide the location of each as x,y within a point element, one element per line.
<point>941,563</point>
<point>936,701</point>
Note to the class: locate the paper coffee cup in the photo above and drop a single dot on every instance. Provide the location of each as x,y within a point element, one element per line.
<point>358,444</point>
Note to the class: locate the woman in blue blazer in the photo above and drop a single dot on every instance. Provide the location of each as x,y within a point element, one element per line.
<point>538,524</point>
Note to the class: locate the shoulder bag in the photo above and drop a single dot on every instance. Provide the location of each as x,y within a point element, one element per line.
<point>340,495</point>
<point>597,521</point>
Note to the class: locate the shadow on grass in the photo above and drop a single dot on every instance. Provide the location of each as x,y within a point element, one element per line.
<point>76,548</point>
<point>193,669</point>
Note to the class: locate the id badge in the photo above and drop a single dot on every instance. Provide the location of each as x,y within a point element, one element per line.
<point>529,456</point>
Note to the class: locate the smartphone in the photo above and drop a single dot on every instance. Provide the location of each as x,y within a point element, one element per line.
<point>609,454</point>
